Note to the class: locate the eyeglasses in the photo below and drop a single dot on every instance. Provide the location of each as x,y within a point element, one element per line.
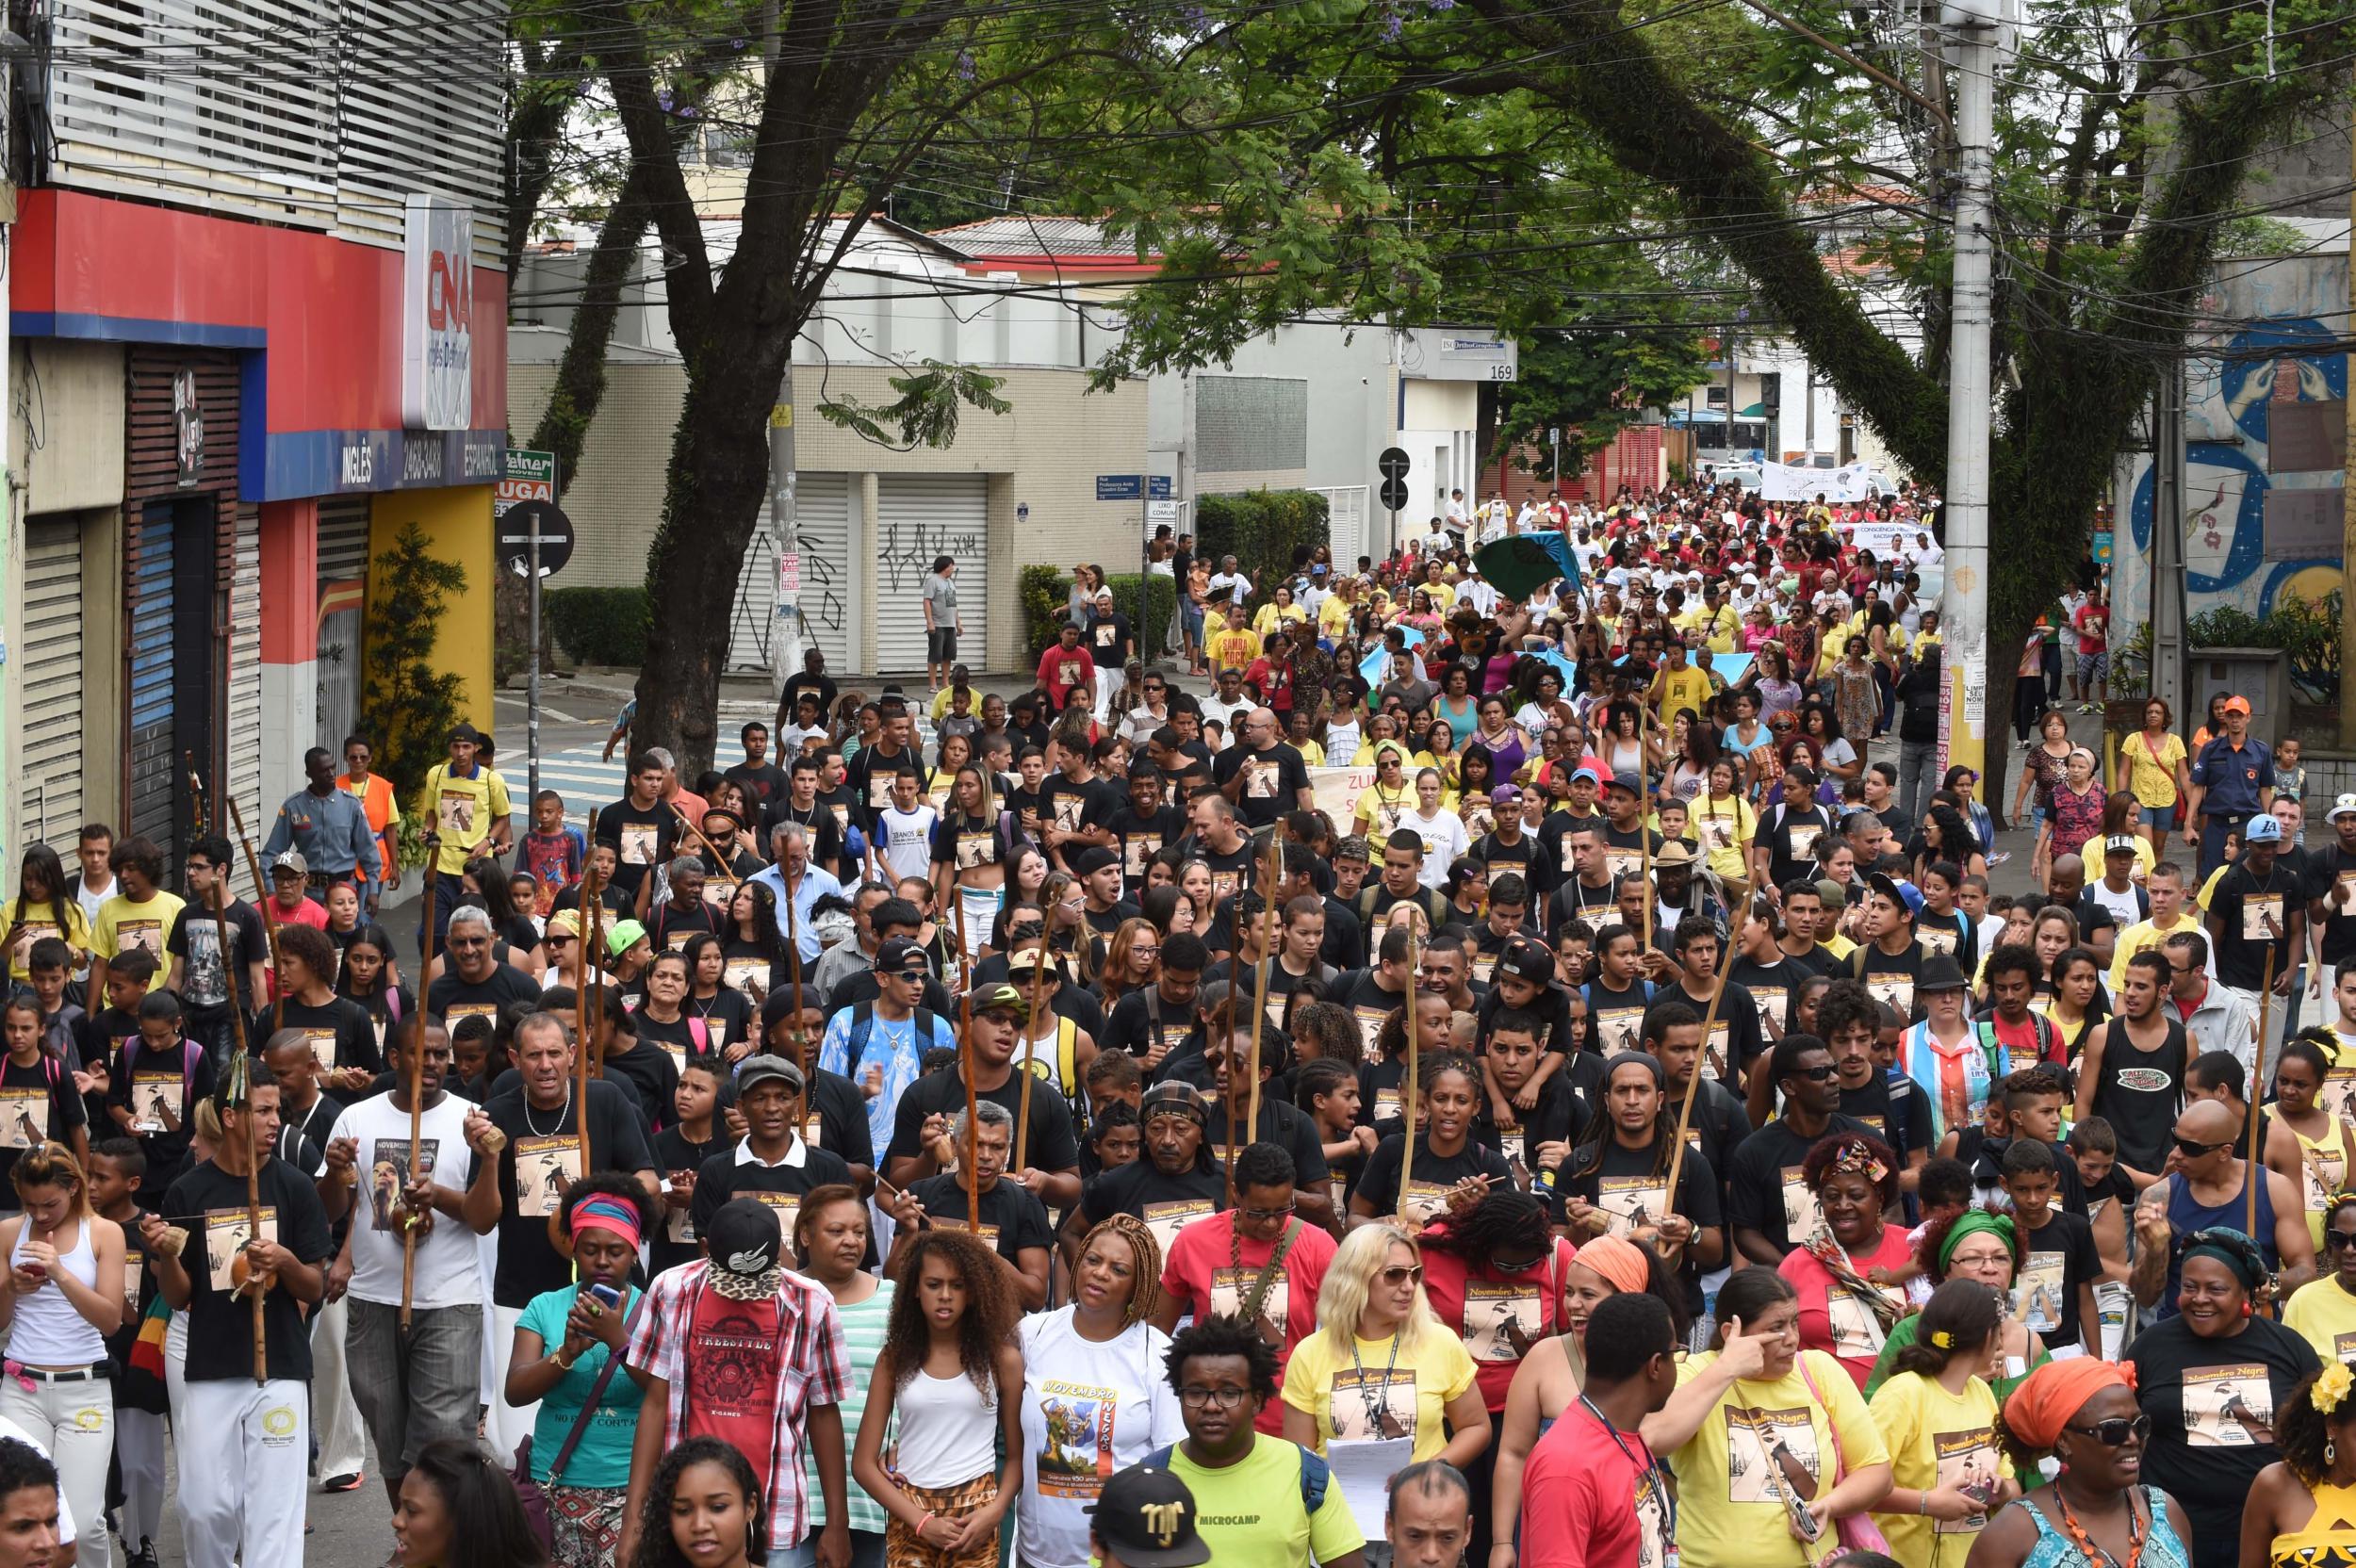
<point>1411,1274</point>
<point>2115,1432</point>
<point>2192,1148</point>
<point>1964,1260</point>
<point>1225,1398</point>
<point>1265,1216</point>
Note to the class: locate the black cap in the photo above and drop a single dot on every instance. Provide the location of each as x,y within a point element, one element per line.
<point>900,955</point>
<point>1146,1518</point>
<point>1088,861</point>
<point>746,1245</point>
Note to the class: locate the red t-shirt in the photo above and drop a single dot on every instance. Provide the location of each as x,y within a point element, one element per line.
<point>2093,622</point>
<point>1831,1319</point>
<point>2020,1040</point>
<point>1215,1271</point>
<point>1588,1501</point>
<point>1063,671</point>
<point>1497,1316</point>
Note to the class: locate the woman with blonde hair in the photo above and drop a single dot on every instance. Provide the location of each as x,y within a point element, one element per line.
<point>1344,1383</point>
<point>65,1294</point>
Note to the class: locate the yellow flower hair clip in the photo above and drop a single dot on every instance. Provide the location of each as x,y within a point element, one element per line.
<point>1946,1341</point>
<point>2331,1387</point>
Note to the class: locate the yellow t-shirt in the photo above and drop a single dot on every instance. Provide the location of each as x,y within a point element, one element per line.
<point>1333,618</point>
<point>464,810</point>
<point>2139,937</point>
<point>1730,1512</point>
<point>1407,1393</point>
<point>123,925</point>
<point>1685,688</point>
<point>1442,596</point>
<point>1937,1439</point>
<point>1250,1511</point>
<point>1718,628</point>
<point>1838,945</point>
<point>2153,779</point>
<point>1724,826</point>
<point>1235,649</point>
<point>1270,616</point>
<point>2324,1316</point>
<point>39,921</point>
<point>2093,853</point>
<point>1377,805</point>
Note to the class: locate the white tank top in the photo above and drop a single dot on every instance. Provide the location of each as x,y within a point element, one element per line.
<point>948,1430</point>
<point>48,1331</point>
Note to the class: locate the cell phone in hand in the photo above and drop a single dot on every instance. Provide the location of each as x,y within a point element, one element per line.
<point>605,1296</point>
<point>37,1270</point>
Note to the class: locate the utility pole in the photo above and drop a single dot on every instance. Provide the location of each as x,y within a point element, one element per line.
<point>2347,495</point>
<point>785,638</point>
<point>1972,29</point>
<point>2168,541</point>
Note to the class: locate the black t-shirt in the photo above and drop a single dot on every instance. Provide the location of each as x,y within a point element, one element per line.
<point>1734,1034</point>
<point>1890,976</point>
<point>790,704</point>
<point>1633,1183</point>
<point>1164,1202</point>
<point>723,1176</point>
<point>673,1242</point>
<point>196,938</point>
<point>1277,780</point>
<point>1774,990</point>
<point>762,785</point>
<point>146,1084</point>
<point>1012,1218</point>
<point>1525,856</point>
<point>1281,1124</point>
<point>1231,869</point>
<point>869,776</point>
<point>2057,1258</point>
<point>1072,805</point>
<point>653,1077</point>
<point>2328,865</point>
<point>1370,1005</point>
<point>1139,838</point>
<point>542,1144</point>
<point>2236,903</point>
<point>341,1035</point>
<point>1615,1019</point>
<point>451,998</point>
<point>670,926</point>
<point>1899,1112</point>
<point>37,1102</point>
<point>1106,638</point>
<point>209,1204</point>
<point>1141,1021</point>
<point>1716,1129</point>
<point>1764,1192</point>
<point>1429,1177</point>
<point>1558,1117</point>
<point>1052,1145</point>
<point>1791,839</point>
<point>2182,1380</point>
<point>645,836</point>
<point>1345,944</point>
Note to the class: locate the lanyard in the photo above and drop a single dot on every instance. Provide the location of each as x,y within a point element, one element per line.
<point>1652,1469</point>
<point>1375,1403</point>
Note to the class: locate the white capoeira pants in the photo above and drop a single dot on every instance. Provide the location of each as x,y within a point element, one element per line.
<point>243,1501</point>
<point>140,1452</point>
<point>334,1415</point>
<point>506,1425</point>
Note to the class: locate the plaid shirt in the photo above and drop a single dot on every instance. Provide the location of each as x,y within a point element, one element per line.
<point>812,1369</point>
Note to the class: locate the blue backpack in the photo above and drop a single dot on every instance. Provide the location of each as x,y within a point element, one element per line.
<point>1316,1475</point>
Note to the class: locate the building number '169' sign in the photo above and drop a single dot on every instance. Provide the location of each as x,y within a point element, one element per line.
<point>437,315</point>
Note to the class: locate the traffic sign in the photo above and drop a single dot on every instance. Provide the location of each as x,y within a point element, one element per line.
<point>515,537</point>
<point>1394,463</point>
<point>1394,494</point>
<point>1120,487</point>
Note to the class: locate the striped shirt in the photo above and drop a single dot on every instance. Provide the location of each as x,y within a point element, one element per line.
<point>812,1368</point>
<point>863,1325</point>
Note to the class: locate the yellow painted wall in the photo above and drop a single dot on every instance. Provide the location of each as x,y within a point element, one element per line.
<point>457,527</point>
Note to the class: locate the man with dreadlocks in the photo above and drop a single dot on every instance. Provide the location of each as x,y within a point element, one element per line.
<point>1093,1398</point>
<point>1259,1261</point>
<point>1619,1184</point>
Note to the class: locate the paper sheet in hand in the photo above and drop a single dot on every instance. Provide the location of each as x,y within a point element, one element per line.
<point>1364,1471</point>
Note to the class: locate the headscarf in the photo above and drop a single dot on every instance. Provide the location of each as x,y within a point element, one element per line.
<point>1972,1222</point>
<point>2047,1397</point>
<point>1621,1262</point>
<point>604,1212</point>
<point>2236,1252</point>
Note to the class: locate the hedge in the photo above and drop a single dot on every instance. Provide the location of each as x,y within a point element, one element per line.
<point>1264,530</point>
<point>1046,595</point>
<point>600,626</point>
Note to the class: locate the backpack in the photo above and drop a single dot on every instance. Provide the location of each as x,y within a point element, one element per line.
<point>1434,903</point>
<point>1316,1476</point>
<point>130,1065</point>
<point>864,1025</point>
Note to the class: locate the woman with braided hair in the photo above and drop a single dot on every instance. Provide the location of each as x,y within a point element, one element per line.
<point>1094,1399</point>
<point>1840,1270</point>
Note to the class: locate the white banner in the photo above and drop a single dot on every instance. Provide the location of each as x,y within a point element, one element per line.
<point>1792,482</point>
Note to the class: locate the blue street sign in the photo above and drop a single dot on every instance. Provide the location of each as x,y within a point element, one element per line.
<point>1120,487</point>
<point>1157,487</point>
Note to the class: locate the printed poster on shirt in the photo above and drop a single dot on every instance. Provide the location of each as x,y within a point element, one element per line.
<point>2343,1347</point>
<point>156,1102</point>
<point>1896,989</point>
<point>1501,1322</point>
<point>1513,1144</point>
<point>1370,1022</point>
<point>1938,941</point>
<point>2229,1407</point>
<point>1422,1202</point>
<point>141,936</point>
<point>1623,862</point>
<point>1716,833</point>
<point>1224,885</point>
<point>1619,1029</point>
<point>1967,1462</point>
<point>1231,1286</point>
<point>1770,1000</point>
<point>322,1043</point>
<point>2325,1172</point>
<point>134,1276</point>
<point>1076,1456</point>
<point>1756,1442</point>
<point>1484,968</point>
<point>2337,1098</point>
<point>640,842</point>
<point>787,1204</point>
<point>1167,1219</point>
<point>878,791</point>
<point>456,812</point>
<point>457,1010</point>
<point>1856,1334</point>
<point>1800,1213</point>
<point>1259,781</point>
<point>976,850</point>
<point>1373,1405</point>
<point>1714,1059</point>
<point>23,1117</point>
<point>1803,836</point>
<point>2262,917</point>
<point>1652,1521</point>
<point>987,1234</point>
<point>388,1173</point>
<point>227,1232</point>
<point>20,951</point>
<point>749,975</point>
<point>543,1168</point>
<point>1631,1201</point>
<point>1136,851</point>
<point>2038,1294</point>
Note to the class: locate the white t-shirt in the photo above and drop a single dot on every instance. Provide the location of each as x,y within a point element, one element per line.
<point>1443,840</point>
<point>449,1269</point>
<point>2123,905</point>
<point>1230,585</point>
<point>906,843</point>
<point>1110,1404</point>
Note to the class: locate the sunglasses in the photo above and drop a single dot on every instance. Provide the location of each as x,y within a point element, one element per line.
<point>2193,1149</point>
<point>2337,1239</point>
<point>1818,1074</point>
<point>1403,1275</point>
<point>2115,1432</point>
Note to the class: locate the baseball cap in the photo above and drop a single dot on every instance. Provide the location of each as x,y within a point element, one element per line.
<point>2236,705</point>
<point>1897,891</point>
<point>463,731</point>
<point>1002,998</point>
<point>746,1245</point>
<point>1526,958</point>
<point>1353,848</point>
<point>626,935</point>
<point>763,1067</point>
<point>1028,959</point>
<point>1170,1096</point>
<point>1590,773</point>
<point>2121,843</point>
<point>1504,795</point>
<point>900,955</point>
<point>1146,1518</point>
<point>1628,781</point>
<point>2263,830</point>
<point>290,860</point>
<point>1835,895</point>
<point>2344,807</point>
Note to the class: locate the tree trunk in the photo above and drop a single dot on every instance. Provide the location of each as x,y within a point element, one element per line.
<point>581,375</point>
<point>719,477</point>
<point>533,131</point>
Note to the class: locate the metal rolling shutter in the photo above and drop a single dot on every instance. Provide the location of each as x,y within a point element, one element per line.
<point>822,510</point>
<point>154,759</point>
<point>919,518</point>
<point>49,759</point>
<point>343,553</point>
<point>245,666</point>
